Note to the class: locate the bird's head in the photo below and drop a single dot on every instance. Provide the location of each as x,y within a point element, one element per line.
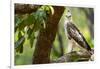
<point>69,15</point>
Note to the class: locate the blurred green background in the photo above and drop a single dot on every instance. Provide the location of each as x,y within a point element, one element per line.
<point>59,46</point>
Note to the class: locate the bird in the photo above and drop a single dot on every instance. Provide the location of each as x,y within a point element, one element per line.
<point>74,35</point>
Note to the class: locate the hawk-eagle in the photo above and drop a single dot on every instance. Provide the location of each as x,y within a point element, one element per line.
<point>74,34</point>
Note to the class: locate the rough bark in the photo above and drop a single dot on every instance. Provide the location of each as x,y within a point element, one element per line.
<point>46,37</point>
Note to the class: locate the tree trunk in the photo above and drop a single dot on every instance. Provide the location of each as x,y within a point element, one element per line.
<point>46,37</point>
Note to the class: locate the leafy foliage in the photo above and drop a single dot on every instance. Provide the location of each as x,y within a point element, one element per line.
<point>28,24</point>
<point>19,43</point>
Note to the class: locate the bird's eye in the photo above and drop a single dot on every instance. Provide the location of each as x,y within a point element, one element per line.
<point>68,10</point>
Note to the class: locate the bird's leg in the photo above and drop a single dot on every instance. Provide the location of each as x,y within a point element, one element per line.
<point>70,46</point>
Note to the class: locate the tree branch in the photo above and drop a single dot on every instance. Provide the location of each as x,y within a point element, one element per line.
<point>25,8</point>
<point>75,56</point>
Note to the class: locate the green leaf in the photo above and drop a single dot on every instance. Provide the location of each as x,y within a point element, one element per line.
<point>19,44</point>
<point>17,20</point>
<point>29,32</point>
<point>51,9</point>
<point>48,9</point>
<point>40,20</point>
<point>19,35</point>
<point>26,20</point>
<point>31,36</point>
<point>32,39</point>
<point>21,48</point>
<point>29,20</point>
<point>31,42</point>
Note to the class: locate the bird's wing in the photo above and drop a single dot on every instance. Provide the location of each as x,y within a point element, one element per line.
<point>74,33</point>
